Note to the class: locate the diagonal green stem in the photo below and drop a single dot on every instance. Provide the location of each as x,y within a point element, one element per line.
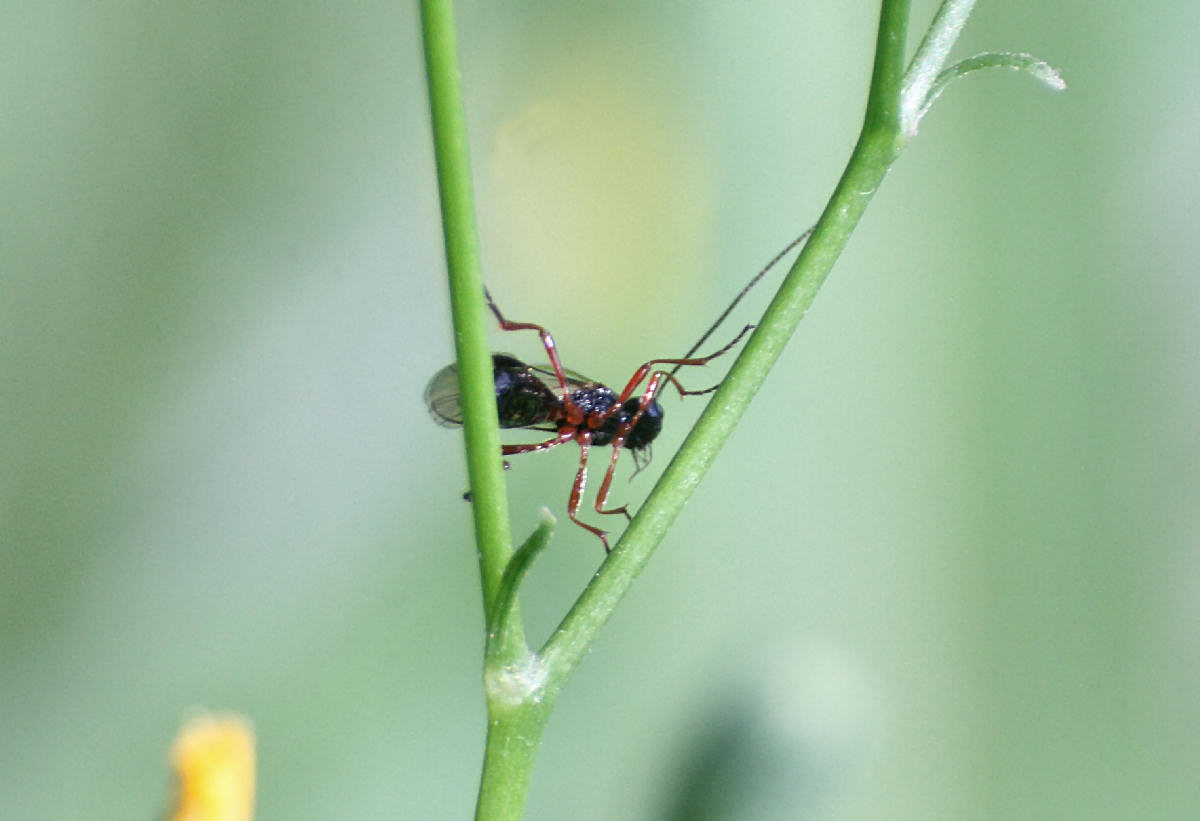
<point>876,149</point>
<point>930,57</point>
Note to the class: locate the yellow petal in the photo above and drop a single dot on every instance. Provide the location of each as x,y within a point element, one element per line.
<point>213,757</point>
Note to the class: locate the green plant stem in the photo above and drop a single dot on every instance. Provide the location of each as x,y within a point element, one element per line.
<point>474,358</point>
<point>928,61</point>
<point>513,738</point>
<point>512,675</point>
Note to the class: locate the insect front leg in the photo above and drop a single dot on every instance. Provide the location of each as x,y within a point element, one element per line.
<point>647,397</point>
<point>641,372</point>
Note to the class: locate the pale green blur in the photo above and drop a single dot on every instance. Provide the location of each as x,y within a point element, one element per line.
<point>947,568</point>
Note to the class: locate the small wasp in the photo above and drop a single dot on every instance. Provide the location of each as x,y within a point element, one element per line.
<point>575,408</point>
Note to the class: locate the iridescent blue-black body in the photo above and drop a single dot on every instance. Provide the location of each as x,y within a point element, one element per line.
<point>592,398</point>
<point>528,397</point>
<point>522,399</point>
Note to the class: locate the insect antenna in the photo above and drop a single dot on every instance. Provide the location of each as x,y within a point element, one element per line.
<point>725,314</point>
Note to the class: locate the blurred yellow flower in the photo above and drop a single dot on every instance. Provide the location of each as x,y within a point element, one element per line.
<point>598,184</point>
<point>213,758</point>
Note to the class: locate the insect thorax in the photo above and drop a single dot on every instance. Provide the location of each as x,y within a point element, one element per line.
<point>597,398</point>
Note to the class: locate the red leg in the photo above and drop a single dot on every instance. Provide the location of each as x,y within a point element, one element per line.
<point>652,388</point>
<point>547,342</point>
<point>585,443</point>
<point>641,372</point>
<point>602,495</point>
<point>562,437</point>
<point>657,378</point>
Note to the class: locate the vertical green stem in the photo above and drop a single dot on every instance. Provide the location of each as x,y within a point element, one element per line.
<point>482,429</point>
<point>883,101</point>
<point>514,735</point>
<point>512,675</point>
<point>517,704</point>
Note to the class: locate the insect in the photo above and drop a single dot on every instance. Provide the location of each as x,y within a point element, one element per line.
<point>573,407</point>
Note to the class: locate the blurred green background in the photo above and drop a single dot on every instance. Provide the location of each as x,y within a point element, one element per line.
<point>947,567</point>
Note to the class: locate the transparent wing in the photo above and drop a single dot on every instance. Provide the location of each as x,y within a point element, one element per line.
<point>443,399</point>
<point>575,380</point>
